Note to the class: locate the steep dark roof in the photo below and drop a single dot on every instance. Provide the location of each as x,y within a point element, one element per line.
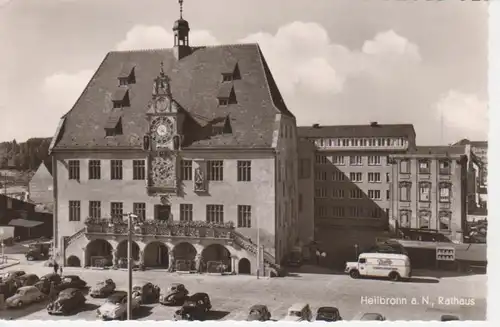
<point>386,130</point>
<point>195,81</point>
<point>479,144</point>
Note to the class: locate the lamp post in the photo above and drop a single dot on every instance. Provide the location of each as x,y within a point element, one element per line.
<point>130,217</point>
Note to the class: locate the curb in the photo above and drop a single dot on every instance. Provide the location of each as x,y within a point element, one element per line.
<point>10,265</point>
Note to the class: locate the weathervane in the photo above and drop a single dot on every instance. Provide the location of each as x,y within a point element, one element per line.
<point>180,3</point>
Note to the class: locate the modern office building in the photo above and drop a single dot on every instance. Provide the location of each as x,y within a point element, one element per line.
<point>196,141</point>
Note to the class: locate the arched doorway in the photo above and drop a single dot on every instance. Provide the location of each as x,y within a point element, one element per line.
<point>214,255</point>
<point>184,256</point>
<point>73,261</point>
<point>99,253</point>
<point>122,253</point>
<point>244,266</point>
<point>156,255</point>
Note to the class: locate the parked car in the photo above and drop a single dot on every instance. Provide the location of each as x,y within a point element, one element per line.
<point>176,294</point>
<point>147,293</point>
<point>194,308</point>
<point>68,301</point>
<point>115,306</point>
<point>103,288</point>
<point>449,318</point>
<point>328,314</point>
<point>24,295</point>
<point>38,251</point>
<point>259,312</point>
<point>44,283</point>
<point>28,279</point>
<point>372,316</point>
<point>71,281</point>
<point>11,275</point>
<point>299,312</point>
<point>8,288</point>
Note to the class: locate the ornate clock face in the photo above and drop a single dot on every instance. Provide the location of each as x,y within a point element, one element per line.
<point>162,104</point>
<point>162,129</point>
<point>163,171</point>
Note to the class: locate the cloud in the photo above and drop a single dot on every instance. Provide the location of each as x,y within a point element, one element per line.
<point>304,59</point>
<point>151,37</point>
<point>464,115</point>
<point>62,89</point>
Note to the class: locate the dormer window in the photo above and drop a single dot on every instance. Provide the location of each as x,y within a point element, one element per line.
<point>226,95</point>
<point>113,125</point>
<point>127,75</point>
<point>231,73</point>
<point>221,126</point>
<point>121,99</point>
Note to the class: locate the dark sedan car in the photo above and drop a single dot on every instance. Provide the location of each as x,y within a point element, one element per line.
<point>28,279</point>
<point>372,317</point>
<point>176,294</point>
<point>259,312</point>
<point>103,288</point>
<point>69,300</point>
<point>449,318</point>
<point>147,292</point>
<point>328,314</point>
<point>194,308</point>
<point>11,275</point>
<point>45,281</point>
<point>71,281</point>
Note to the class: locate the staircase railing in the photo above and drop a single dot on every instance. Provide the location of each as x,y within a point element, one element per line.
<point>75,236</point>
<point>248,245</point>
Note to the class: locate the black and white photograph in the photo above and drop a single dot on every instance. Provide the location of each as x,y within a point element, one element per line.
<point>244,160</point>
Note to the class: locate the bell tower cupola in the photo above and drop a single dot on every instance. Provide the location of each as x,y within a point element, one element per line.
<point>181,36</point>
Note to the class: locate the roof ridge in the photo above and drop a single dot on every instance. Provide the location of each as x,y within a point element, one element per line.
<point>194,47</point>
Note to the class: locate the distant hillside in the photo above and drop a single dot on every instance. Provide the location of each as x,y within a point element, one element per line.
<point>25,156</point>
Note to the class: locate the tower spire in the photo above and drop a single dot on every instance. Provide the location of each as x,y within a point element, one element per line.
<point>180,6</point>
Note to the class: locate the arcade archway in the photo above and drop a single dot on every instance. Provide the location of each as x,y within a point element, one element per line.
<point>99,253</point>
<point>214,255</point>
<point>122,252</point>
<point>156,255</point>
<point>244,266</point>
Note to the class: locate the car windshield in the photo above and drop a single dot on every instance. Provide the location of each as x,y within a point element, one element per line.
<point>115,300</point>
<point>295,313</point>
<point>255,312</point>
<point>67,280</point>
<point>20,292</point>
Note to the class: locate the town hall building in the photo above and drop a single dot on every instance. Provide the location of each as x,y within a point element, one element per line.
<point>195,141</point>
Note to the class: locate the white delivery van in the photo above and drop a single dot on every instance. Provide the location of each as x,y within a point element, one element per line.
<point>391,265</point>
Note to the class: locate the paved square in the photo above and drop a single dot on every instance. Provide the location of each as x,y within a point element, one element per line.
<point>232,296</point>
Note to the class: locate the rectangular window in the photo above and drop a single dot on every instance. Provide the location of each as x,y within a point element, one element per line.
<point>116,169</point>
<point>374,177</point>
<point>444,193</point>
<point>388,195</point>
<point>244,216</point>
<point>139,170</point>
<point>338,212</point>
<point>444,167</point>
<point>338,160</point>
<point>424,218</point>
<point>404,166</point>
<point>376,213</point>
<point>322,211</point>
<point>244,170</point>
<point>356,177</point>
<point>321,175</point>
<point>321,192</point>
<point>186,212</point>
<point>404,218</point>
<point>355,212</point>
<point>74,211</point>
<point>139,209</point>
<point>356,194</point>
<point>444,220</point>
<point>94,169</point>
<point>95,209</point>
<point>356,160</point>
<point>300,202</point>
<point>405,193</point>
<point>424,167</point>
<point>215,213</point>
<point>304,168</point>
<point>387,177</point>
<point>374,160</point>
<point>338,194</point>
<point>388,160</point>
<point>374,194</point>
<point>215,170</point>
<point>321,159</point>
<point>338,176</point>
<point>186,170</point>
<point>425,192</point>
<point>116,209</point>
<point>74,169</point>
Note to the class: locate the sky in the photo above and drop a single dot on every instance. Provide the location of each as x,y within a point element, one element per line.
<point>335,61</point>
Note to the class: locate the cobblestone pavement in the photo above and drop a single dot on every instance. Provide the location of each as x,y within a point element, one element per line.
<point>232,296</point>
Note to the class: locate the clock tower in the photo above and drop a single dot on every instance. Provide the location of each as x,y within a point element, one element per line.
<point>163,140</point>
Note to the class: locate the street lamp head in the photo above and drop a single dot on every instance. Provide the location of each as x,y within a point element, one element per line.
<point>133,216</point>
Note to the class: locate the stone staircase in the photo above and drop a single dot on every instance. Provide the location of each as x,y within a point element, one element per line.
<point>70,239</point>
<point>245,243</point>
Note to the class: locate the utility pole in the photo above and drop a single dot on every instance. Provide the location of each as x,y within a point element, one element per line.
<point>258,248</point>
<point>131,217</point>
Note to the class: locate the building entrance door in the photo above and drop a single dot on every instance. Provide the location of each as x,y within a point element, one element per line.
<point>162,212</point>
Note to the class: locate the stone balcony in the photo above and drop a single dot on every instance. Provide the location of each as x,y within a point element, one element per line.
<point>170,229</point>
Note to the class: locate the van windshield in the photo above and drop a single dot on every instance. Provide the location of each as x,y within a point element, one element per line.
<point>295,313</point>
